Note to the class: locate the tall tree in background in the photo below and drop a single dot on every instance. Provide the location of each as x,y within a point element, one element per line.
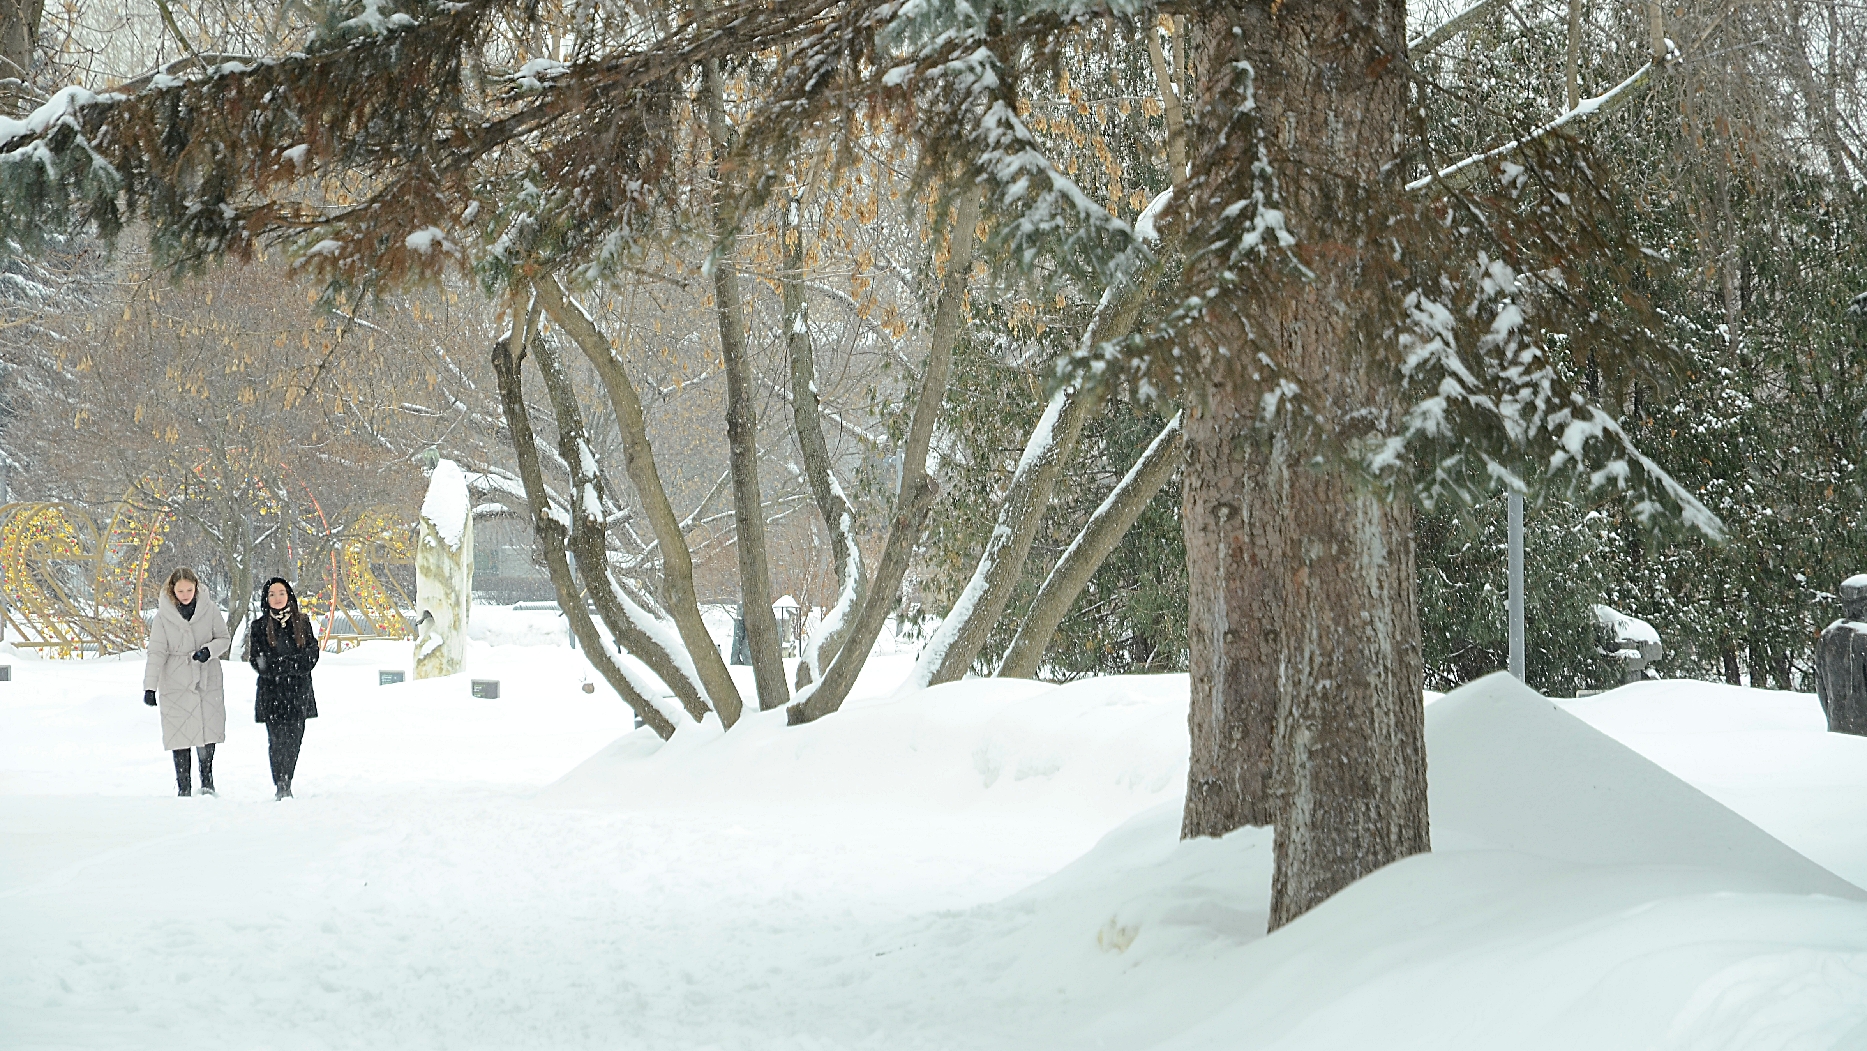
<point>1741,170</point>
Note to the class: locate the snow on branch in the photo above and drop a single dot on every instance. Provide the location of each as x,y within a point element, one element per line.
<point>937,63</point>
<point>1464,173</point>
<point>215,162</point>
<point>1244,246</point>
<point>1490,409</point>
<point>1452,27</point>
<point>1045,216</point>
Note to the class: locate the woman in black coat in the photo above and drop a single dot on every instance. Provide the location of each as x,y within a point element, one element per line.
<point>282,648</point>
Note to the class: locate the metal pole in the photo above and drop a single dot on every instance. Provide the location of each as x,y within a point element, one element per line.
<point>1516,586</point>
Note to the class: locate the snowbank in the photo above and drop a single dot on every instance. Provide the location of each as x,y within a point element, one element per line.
<point>1095,751</point>
<point>1766,754</point>
<point>1150,942</point>
<point>1626,910</point>
<point>1510,770</point>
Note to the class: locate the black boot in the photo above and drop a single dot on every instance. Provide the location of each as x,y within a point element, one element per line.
<point>206,755</point>
<point>183,781</point>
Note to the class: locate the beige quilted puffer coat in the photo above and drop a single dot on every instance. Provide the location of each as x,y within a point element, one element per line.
<point>188,692</point>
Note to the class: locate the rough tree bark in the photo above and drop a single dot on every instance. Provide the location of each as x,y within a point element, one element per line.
<point>1105,528</point>
<point>590,544</point>
<point>761,623</point>
<point>917,492</point>
<point>677,562</point>
<point>552,534</point>
<point>1304,632</point>
<point>839,517</point>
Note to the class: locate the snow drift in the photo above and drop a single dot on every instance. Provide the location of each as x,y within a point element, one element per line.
<point>1580,897</point>
<point>1510,770</point>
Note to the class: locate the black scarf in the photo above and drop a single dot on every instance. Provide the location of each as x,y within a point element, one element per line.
<point>186,609</point>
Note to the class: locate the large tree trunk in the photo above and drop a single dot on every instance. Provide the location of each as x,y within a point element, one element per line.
<point>1233,683</point>
<point>677,562</point>
<point>742,435</point>
<point>1304,632</point>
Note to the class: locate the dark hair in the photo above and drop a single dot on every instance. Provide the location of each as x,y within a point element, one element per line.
<point>301,624</point>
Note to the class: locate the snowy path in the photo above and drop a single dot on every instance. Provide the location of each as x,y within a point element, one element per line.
<point>468,919</point>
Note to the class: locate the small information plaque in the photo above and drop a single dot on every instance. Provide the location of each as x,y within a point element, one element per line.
<point>486,688</point>
<point>384,678</point>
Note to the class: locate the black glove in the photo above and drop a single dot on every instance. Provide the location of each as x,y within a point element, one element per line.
<point>202,655</point>
<point>149,698</point>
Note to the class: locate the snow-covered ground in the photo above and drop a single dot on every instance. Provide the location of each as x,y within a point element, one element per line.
<point>983,865</point>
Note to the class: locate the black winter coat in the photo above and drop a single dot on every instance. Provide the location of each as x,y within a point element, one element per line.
<point>284,693</point>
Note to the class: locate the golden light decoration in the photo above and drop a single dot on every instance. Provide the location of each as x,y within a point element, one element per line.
<point>71,589</point>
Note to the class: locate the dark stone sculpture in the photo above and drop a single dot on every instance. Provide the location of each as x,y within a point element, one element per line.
<point>1841,662</point>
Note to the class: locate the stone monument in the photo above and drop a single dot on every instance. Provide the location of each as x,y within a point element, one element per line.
<point>1841,662</point>
<point>443,574</point>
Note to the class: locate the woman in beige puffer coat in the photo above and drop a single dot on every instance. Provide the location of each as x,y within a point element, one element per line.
<point>187,641</point>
